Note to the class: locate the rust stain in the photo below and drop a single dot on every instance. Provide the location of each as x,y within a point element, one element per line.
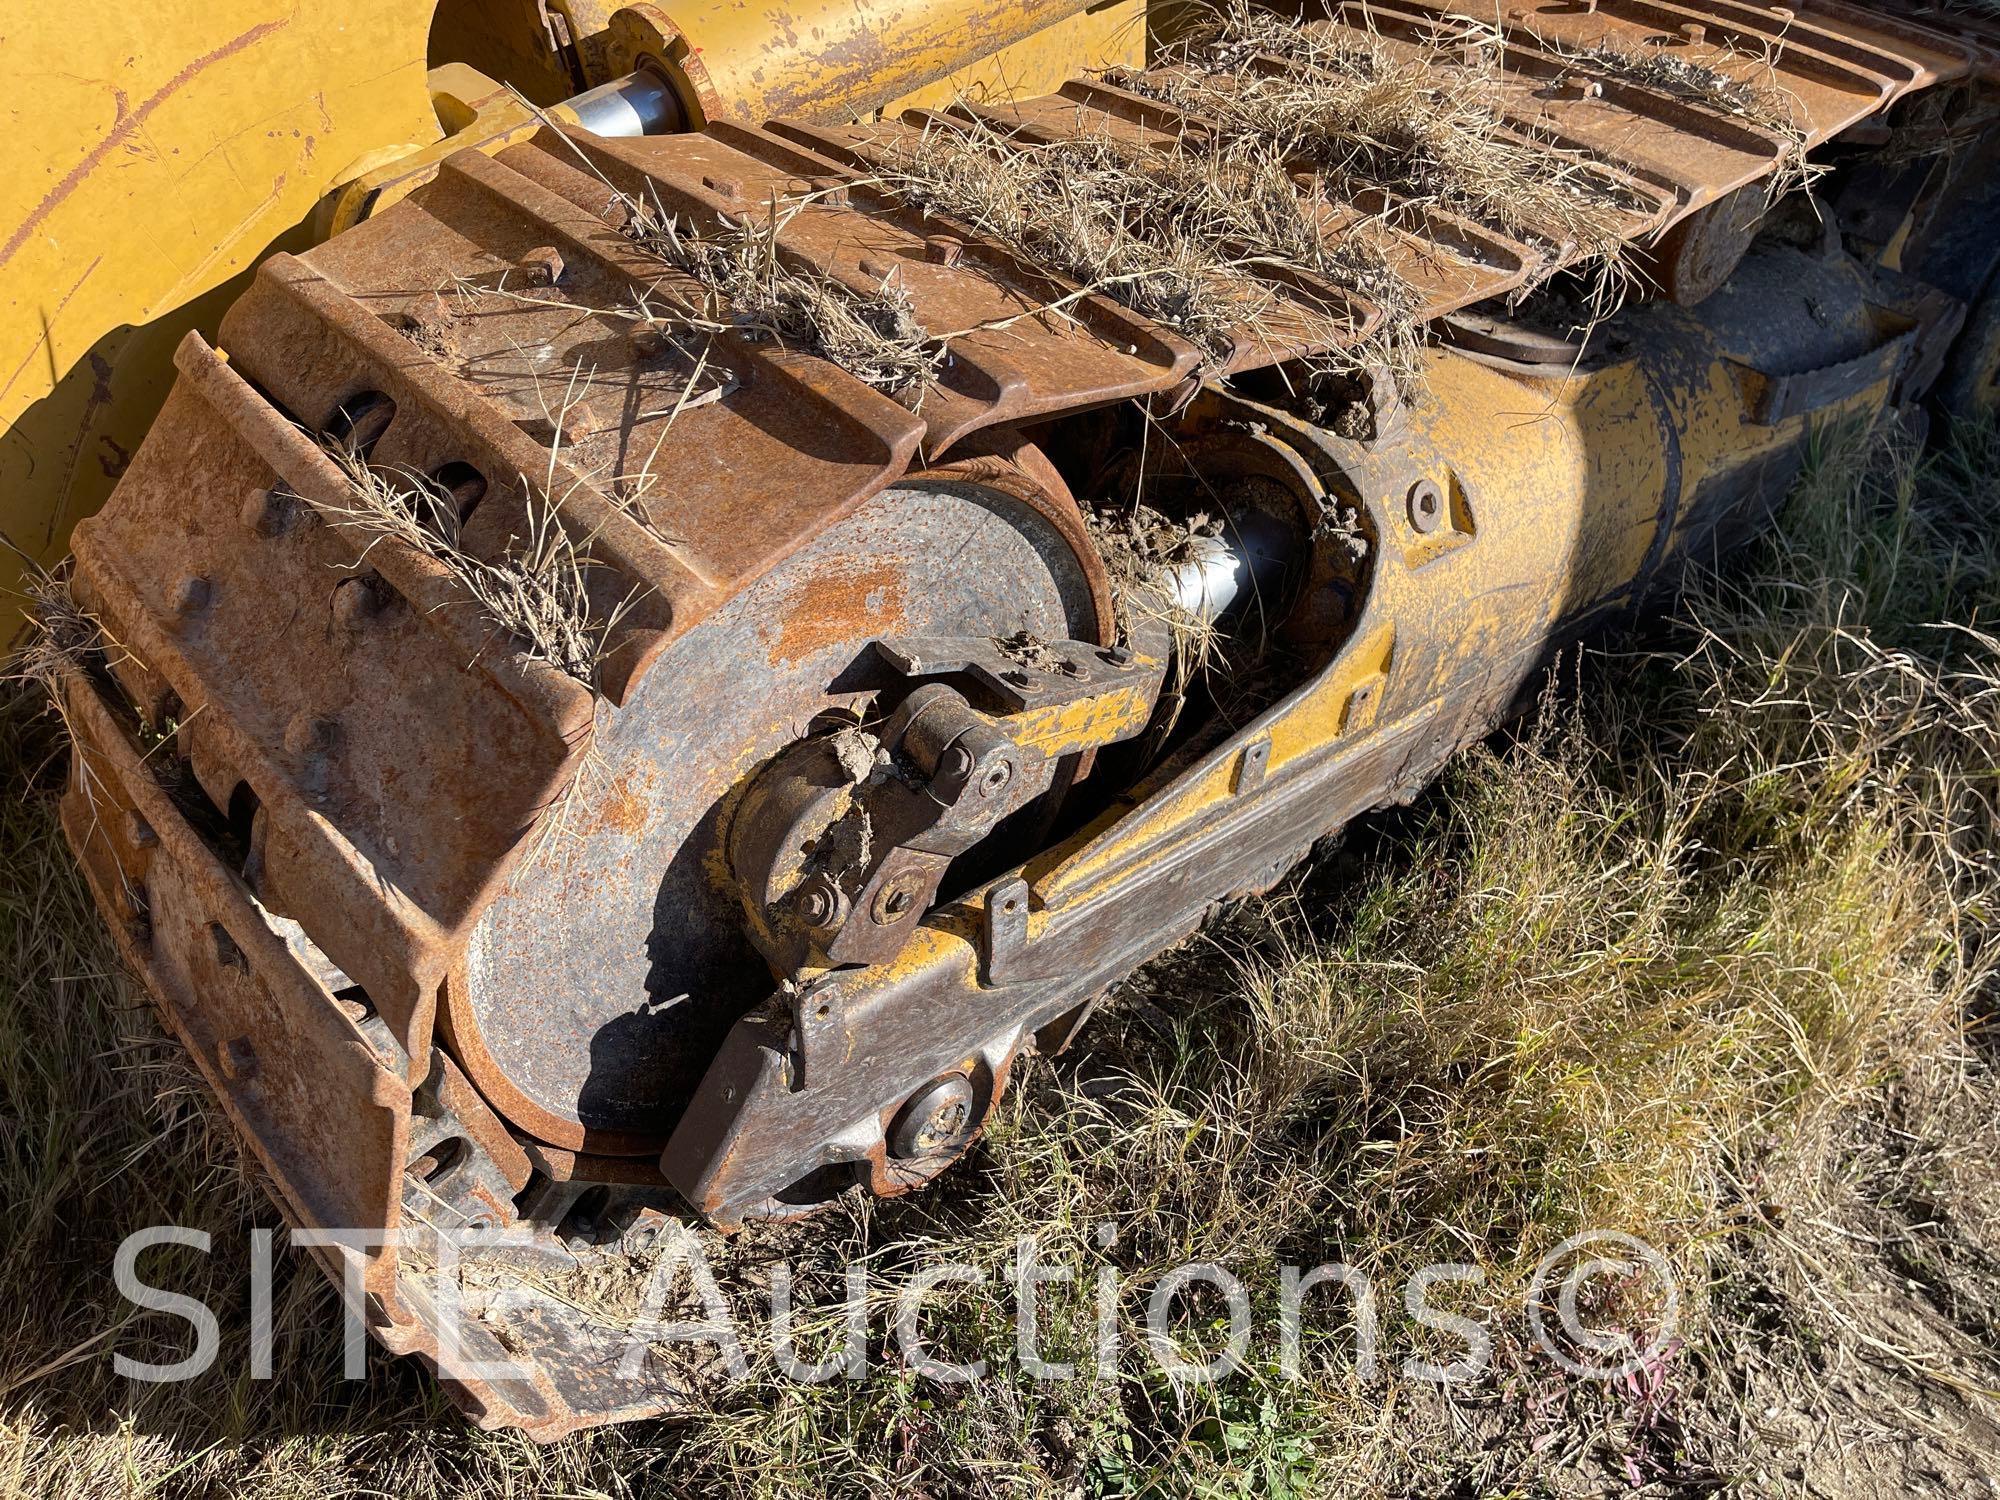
<point>850,605</point>
<point>623,809</point>
<point>129,122</point>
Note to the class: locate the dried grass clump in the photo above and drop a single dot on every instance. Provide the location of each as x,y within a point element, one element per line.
<point>1179,236</point>
<point>62,636</point>
<point>873,335</point>
<point>1679,77</point>
<point>752,289</point>
<point>1669,73</point>
<point>539,592</point>
<point>1420,128</point>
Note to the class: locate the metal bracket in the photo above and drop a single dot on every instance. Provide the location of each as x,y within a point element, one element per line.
<point>1251,765</point>
<point>1005,931</point>
<point>1771,399</point>
<point>1016,673</point>
<point>839,844</point>
<point>1056,698</point>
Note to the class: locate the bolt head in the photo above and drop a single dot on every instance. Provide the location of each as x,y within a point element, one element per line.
<point>820,901</point>
<point>308,734</point>
<point>957,763</point>
<point>999,776</point>
<point>1426,507</point>
<point>898,897</point>
<point>649,340</point>
<point>544,265</point>
<point>938,1118</point>
<point>263,512</point>
<point>353,602</point>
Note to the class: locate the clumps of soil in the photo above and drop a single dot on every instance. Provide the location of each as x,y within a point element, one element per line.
<point>1421,128</point>
<point>1035,654</point>
<point>436,333</point>
<point>855,750</point>
<point>749,286</point>
<point>1141,548</point>
<point>606,1286</point>
<point>538,591</point>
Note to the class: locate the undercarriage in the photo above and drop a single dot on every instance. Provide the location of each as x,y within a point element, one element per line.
<point>897,722</point>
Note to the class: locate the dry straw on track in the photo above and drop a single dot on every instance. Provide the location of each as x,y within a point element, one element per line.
<point>1185,237</point>
<point>1670,73</point>
<point>1198,233</point>
<point>873,335</point>
<point>1417,125</point>
<point>749,285</point>
<point>63,636</point>
<point>539,591</point>
<point>1761,105</point>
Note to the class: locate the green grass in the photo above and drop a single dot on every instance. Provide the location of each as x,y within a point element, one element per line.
<point>1702,954</point>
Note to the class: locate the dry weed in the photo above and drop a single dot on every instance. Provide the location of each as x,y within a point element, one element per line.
<point>62,636</point>
<point>1762,105</point>
<point>751,285</point>
<point>538,591</point>
<point>873,335</point>
<point>1420,128</point>
<point>1190,238</point>
<point>1142,549</point>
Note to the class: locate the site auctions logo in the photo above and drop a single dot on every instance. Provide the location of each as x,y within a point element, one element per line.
<point>1602,1305</point>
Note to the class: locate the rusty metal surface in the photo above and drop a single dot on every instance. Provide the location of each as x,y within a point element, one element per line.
<point>1454,622</point>
<point>592,995</point>
<point>559,399</point>
<point>223,587</point>
<point>286,1063</point>
<point>859,237</point>
<point>1667,157</point>
<point>532,868</point>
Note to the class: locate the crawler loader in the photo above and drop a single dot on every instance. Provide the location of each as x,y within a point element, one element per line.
<point>661,592</point>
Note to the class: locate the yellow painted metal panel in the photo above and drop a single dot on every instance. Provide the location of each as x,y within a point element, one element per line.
<point>824,60</point>
<point>1105,36</point>
<point>155,154</point>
